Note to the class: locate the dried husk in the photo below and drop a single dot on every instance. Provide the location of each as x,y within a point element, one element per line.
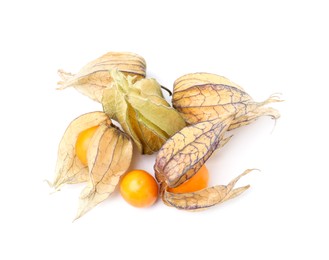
<point>203,96</point>
<point>94,77</point>
<point>183,155</point>
<point>109,156</point>
<point>185,152</point>
<point>69,169</point>
<point>141,110</point>
<point>207,197</point>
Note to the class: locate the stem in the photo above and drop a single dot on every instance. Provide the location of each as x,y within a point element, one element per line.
<point>170,93</point>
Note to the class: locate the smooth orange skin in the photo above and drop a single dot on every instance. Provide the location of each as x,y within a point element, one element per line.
<point>82,143</point>
<point>198,182</point>
<point>139,189</point>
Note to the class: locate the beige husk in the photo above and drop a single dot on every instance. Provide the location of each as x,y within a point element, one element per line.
<point>204,96</point>
<point>93,78</point>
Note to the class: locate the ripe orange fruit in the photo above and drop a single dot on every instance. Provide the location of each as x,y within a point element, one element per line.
<point>82,143</point>
<point>199,181</point>
<point>139,188</point>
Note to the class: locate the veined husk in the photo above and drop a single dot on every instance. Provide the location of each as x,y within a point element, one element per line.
<point>183,155</point>
<point>94,77</point>
<point>109,155</point>
<point>205,198</point>
<point>185,152</point>
<point>141,110</point>
<point>204,96</point>
<point>69,169</point>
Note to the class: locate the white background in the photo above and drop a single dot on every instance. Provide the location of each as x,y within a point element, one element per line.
<point>264,46</point>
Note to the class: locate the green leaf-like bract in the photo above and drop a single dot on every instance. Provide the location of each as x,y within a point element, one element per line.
<point>141,110</point>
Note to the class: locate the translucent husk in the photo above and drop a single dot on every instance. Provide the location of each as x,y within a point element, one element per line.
<point>94,77</point>
<point>109,155</point>
<point>69,169</point>
<point>141,110</point>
